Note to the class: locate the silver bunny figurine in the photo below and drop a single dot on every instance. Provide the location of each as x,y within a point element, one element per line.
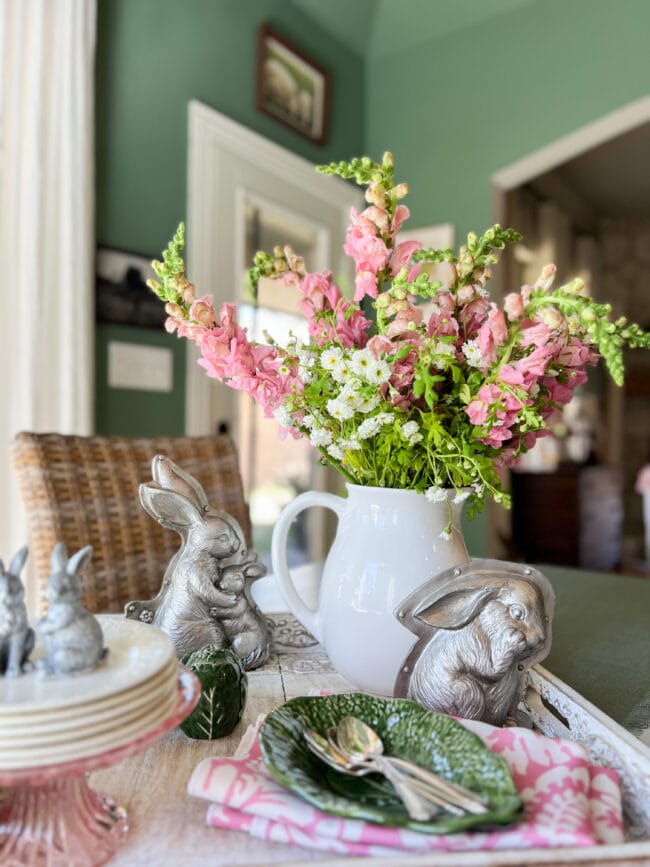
<point>16,636</point>
<point>71,635</point>
<point>205,594</point>
<point>479,626</point>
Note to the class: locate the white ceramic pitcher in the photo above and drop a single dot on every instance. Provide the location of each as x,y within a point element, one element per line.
<point>387,544</point>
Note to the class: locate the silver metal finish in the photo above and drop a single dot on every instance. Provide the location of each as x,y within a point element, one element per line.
<point>205,595</point>
<point>72,637</point>
<point>480,626</point>
<point>353,734</point>
<point>16,636</point>
<point>417,806</point>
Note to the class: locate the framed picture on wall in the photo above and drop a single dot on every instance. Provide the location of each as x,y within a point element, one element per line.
<point>122,296</point>
<point>291,87</point>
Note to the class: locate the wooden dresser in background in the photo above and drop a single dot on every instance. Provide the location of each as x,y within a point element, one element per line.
<point>571,517</point>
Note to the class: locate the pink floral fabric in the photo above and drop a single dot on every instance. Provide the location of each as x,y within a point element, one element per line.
<point>567,802</point>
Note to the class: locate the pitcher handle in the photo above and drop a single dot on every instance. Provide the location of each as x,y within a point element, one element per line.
<point>307,616</point>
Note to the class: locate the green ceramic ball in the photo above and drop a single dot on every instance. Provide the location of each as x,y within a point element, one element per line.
<point>223,693</point>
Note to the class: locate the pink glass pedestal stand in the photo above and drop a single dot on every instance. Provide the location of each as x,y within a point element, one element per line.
<point>50,817</point>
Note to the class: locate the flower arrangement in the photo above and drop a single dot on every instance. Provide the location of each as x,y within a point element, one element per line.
<point>392,396</point>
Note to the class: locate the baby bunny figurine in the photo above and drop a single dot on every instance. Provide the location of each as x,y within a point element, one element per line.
<point>205,595</point>
<point>72,637</point>
<point>16,636</point>
<point>479,626</point>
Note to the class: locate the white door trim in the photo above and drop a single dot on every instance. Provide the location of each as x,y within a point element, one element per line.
<point>520,172</point>
<point>566,148</point>
<point>213,137</point>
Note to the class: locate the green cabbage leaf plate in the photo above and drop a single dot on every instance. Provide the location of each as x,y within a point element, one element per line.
<point>432,740</point>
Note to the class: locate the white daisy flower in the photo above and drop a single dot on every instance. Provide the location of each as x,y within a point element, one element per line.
<point>342,373</point>
<point>350,396</point>
<point>367,404</point>
<point>361,361</point>
<point>321,437</point>
<point>306,357</point>
<point>368,428</point>
<point>331,359</point>
<point>350,445</point>
<point>411,432</point>
<point>409,428</point>
<point>384,418</point>
<point>305,373</point>
<point>472,353</point>
<point>435,495</point>
<point>309,420</point>
<point>283,417</point>
<point>336,452</point>
<point>338,409</point>
<point>378,372</point>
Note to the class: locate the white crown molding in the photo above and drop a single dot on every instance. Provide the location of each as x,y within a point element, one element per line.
<point>568,147</point>
<point>245,143</point>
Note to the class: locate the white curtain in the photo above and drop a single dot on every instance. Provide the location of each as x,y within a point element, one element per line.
<point>47,50</point>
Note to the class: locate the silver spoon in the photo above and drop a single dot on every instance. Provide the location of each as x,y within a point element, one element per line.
<point>360,742</point>
<point>423,786</point>
<point>416,806</point>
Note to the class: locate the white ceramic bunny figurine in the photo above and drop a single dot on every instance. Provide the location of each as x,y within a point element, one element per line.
<point>480,626</point>
<point>205,595</point>
<point>72,637</point>
<point>16,636</point>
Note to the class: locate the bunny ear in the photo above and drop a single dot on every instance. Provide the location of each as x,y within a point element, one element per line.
<point>77,562</point>
<point>169,508</point>
<point>457,608</point>
<point>59,557</point>
<point>168,475</point>
<point>18,560</point>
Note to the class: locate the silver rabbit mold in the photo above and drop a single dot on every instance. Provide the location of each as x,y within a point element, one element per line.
<point>16,635</point>
<point>479,626</point>
<point>205,595</point>
<point>72,638</point>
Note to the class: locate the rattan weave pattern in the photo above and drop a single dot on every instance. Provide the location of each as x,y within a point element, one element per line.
<point>84,490</point>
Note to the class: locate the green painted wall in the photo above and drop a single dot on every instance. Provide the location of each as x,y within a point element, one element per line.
<point>129,412</point>
<point>153,57</point>
<point>456,110</point>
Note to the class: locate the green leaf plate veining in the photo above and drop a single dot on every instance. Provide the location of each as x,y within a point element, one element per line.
<point>432,740</point>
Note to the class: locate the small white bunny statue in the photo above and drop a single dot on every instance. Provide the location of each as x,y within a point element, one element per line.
<point>480,625</point>
<point>16,636</point>
<point>205,594</point>
<point>72,637</point>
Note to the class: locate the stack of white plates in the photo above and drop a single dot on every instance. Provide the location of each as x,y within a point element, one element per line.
<point>46,719</point>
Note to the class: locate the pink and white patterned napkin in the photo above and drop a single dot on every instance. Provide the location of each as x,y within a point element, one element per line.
<point>567,802</point>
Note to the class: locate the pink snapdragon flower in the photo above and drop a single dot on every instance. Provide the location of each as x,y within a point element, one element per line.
<point>513,306</point>
<point>370,256</point>
<point>228,355</point>
<point>492,334</point>
<point>401,256</point>
<point>323,296</point>
<point>402,214</point>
